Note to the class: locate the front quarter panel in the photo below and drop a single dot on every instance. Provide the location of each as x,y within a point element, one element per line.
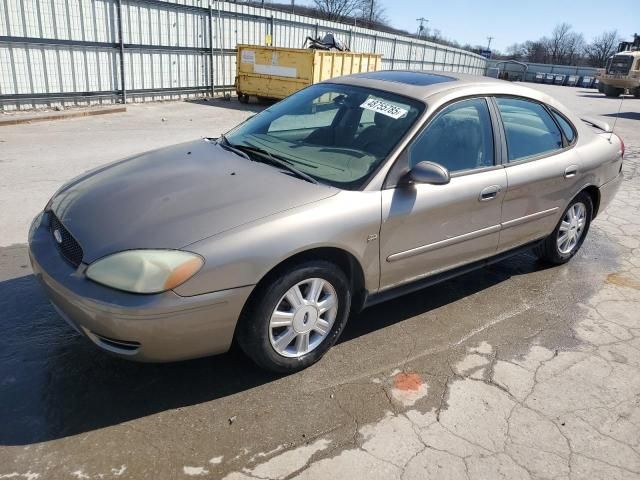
<point>244,255</point>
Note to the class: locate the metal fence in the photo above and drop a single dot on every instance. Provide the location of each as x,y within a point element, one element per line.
<point>103,51</point>
<point>535,68</point>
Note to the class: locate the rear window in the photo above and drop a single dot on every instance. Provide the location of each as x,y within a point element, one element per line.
<point>567,128</point>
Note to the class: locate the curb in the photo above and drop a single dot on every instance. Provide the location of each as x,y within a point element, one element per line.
<point>61,116</point>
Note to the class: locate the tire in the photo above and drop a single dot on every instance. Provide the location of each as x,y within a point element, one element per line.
<point>271,346</point>
<point>550,249</point>
<point>612,92</point>
<point>243,98</point>
<point>636,92</point>
<point>601,87</point>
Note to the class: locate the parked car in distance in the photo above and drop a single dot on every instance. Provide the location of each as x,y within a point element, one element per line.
<point>345,194</point>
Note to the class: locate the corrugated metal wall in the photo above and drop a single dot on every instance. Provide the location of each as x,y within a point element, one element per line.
<point>69,51</point>
<point>534,68</point>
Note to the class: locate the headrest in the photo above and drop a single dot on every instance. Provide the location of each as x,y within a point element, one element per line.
<point>383,121</point>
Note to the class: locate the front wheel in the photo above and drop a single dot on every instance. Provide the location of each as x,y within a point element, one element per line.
<point>295,317</point>
<point>568,236</point>
<point>613,92</point>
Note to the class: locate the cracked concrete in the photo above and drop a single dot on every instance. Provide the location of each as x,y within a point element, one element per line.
<point>516,371</point>
<point>568,415</point>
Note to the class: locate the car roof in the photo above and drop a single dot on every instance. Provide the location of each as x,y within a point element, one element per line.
<point>421,84</point>
<point>408,77</point>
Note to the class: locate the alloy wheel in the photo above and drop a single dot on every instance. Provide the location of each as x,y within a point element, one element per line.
<point>303,317</point>
<point>571,228</point>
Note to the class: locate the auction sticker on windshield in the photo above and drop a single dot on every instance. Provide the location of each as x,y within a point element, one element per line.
<point>386,108</point>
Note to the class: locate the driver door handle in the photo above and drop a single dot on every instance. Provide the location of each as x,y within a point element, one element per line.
<point>570,171</point>
<point>489,193</point>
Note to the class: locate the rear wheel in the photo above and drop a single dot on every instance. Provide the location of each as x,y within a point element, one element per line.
<point>267,100</point>
<point>295,318</point>
<point>636,92</point>
<point>243,98</point>
<point>611,91</point>
<point>568,236</point>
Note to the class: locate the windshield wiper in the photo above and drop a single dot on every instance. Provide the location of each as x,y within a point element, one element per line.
<point>277,161</point>
<point>224,143</point>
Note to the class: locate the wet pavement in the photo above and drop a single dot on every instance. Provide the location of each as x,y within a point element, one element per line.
<point>513,371</point>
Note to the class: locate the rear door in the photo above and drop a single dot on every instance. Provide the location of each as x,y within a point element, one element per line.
<point>542,170</point>
<point>431,228</point>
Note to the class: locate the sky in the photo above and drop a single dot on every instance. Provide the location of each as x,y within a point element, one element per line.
<point>516,20</point>
<point>511,21</point>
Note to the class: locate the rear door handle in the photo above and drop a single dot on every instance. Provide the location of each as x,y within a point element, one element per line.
<point>570,171</point>
<point>489,193</point>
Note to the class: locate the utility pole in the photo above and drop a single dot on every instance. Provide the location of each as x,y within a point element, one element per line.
<point>421,27</point>
<point>489,44</point>
<point>371,13</point>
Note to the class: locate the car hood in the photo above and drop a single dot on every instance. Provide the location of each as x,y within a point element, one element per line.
<point>175,196</point>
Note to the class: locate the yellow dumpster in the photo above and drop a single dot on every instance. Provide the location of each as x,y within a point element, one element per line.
<point>274,72</point>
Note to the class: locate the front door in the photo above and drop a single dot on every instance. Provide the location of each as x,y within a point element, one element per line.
<point>431,228</point>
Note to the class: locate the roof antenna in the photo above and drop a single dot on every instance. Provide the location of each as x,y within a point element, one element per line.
<point>617,115</point>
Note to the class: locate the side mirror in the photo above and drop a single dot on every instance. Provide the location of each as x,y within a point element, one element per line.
<point>429,172</point>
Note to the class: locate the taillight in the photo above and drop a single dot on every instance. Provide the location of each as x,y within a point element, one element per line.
<point>621,145</point>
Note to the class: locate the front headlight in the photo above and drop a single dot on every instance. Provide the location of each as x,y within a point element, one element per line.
<point>47,207</point>
<point>145,271</point>
<point>35,223</point>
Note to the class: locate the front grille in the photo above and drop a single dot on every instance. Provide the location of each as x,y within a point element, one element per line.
<point>69,248</point>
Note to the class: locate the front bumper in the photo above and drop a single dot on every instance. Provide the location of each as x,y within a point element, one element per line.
<point>620,81</point>
<point>151,328</point>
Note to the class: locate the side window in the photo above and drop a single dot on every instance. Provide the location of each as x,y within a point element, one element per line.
<point>460,137</point>
<point>529,129</point>
<point>566,127</point>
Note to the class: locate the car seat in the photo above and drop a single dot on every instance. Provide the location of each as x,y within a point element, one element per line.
<point>379,138</point>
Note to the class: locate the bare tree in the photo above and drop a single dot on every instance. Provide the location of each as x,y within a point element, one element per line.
<point>601,48</point>
<point>372,12</point>
<point>565,46</point>
<point>530,51</point>
<point>537,51</point>
<point>435,35</point>
<point>336,10</point>
<point>575,46</point>
<point>557,44</point>
<point>517,51</point>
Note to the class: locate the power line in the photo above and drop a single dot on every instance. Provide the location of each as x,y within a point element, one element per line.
<point>421,27</point>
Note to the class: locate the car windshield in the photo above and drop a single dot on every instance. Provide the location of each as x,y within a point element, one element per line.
<point>336,134</point>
